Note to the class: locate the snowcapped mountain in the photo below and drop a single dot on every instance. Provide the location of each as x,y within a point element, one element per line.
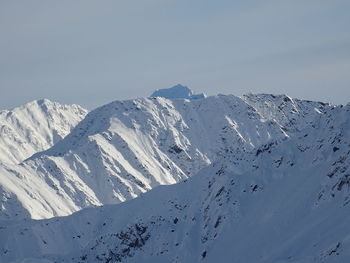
<point>177,92</point>
<point>126,148</point>
<point>257,178</point>
<point>283,200</point>
<point>34,127</point>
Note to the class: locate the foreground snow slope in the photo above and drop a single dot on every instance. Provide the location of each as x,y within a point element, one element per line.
<point>284,201</point>
<point>34,127</point>
<point>126,148</point>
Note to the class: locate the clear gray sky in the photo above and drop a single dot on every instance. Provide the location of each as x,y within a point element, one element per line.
<point>93,52</point>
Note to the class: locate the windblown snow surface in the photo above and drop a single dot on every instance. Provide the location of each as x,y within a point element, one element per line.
<point>35,126</point>
<point>257,178</point>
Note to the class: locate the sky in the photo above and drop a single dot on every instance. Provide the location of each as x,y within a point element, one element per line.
<point>93,52</point>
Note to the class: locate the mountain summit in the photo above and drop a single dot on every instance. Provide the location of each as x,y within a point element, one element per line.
<point>34,127</point>
<point>177,92</point>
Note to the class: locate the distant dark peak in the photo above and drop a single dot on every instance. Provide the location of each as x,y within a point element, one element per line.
<point>177,92</point>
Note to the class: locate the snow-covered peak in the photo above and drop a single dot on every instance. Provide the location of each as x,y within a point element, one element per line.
<point>35,126</point>
<point>177,92</point>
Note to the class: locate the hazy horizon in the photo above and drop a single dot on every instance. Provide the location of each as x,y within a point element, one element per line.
<point>91,53</point>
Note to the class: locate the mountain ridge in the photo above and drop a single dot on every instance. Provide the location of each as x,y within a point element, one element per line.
<point>125,148</point>
<point>256,178</point>
<point>228,210</point>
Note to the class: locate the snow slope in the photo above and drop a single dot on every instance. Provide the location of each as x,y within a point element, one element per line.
<point>34,127</point>
<point>283,201</point>
<point>126,148</point>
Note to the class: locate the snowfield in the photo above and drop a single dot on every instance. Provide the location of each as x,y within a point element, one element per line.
<point>257,178</point>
